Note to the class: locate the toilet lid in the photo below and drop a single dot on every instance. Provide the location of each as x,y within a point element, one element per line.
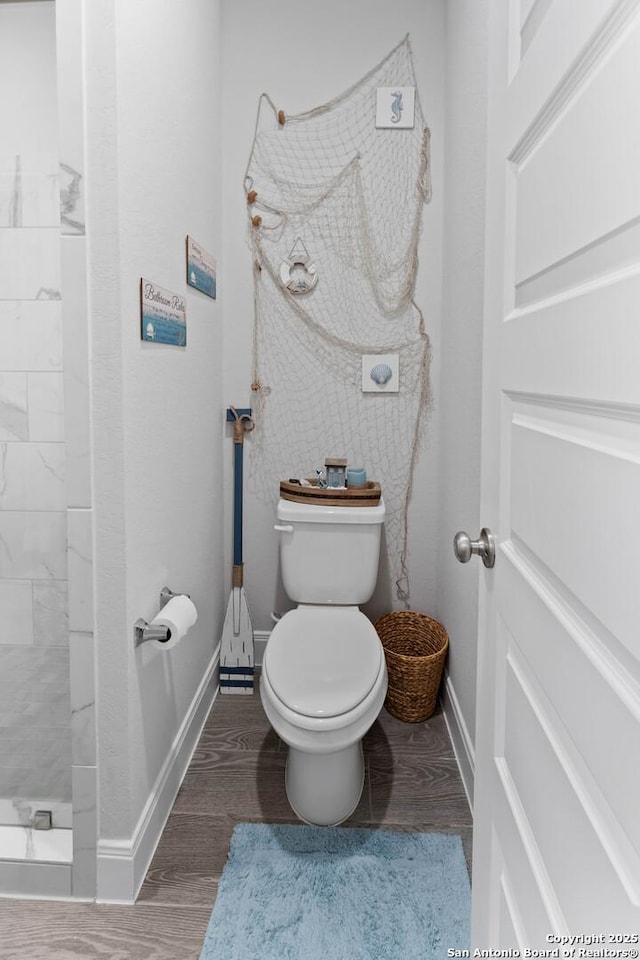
<point>323,661</point>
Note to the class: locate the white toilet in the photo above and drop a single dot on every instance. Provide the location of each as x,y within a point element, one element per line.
<point>324,677</point>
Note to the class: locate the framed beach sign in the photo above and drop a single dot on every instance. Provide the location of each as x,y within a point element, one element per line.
<point>201,268</point>
<point>163,317</point>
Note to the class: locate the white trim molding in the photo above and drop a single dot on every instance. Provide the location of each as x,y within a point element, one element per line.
<point>260,638</point>
<point>460,737</point>
<point>123,862</point>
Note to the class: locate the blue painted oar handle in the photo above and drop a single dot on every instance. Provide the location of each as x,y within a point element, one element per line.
<point>237,502</point>
<point>241,419</point>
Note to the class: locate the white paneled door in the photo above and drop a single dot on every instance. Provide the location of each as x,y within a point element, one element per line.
<point>557,791</point>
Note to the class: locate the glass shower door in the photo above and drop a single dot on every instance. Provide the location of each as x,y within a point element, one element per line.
<point>35,713</point>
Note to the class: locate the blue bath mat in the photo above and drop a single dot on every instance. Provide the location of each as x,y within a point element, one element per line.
<point>339,893</point>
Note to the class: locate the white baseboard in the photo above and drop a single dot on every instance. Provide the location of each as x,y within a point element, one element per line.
<point>260,638</point>
<point>460,738</point>
<point>123,863</point>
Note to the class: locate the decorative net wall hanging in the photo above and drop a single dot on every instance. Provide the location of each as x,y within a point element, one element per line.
<point>335,199</point>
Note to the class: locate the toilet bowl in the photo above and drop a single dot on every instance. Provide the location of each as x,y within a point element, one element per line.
<point>324,675</point>
<point>323,683</point>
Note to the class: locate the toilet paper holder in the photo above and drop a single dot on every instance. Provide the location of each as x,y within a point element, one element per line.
<point>145,631</point>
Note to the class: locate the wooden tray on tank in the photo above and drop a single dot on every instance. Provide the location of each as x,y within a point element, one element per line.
<point>365,496</point>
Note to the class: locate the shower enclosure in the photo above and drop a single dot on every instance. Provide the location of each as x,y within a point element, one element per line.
<point>40,209</point>
<point>35,731</point>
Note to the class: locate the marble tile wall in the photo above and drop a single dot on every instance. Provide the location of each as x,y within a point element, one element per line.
<point>35,695</point>
<point>35,704</point>
<point>35,709</point>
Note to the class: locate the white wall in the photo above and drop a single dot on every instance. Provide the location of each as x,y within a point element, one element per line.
<point>303,55</point>
<point>153,151</point>
<point>460,387</point>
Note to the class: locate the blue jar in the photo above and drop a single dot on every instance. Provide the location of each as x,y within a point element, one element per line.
<point>356,477</point>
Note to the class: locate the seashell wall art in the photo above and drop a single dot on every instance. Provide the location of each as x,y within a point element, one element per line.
<point>381,373</point>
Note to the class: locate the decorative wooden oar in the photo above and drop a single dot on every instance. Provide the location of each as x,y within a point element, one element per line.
<point>236,649</point>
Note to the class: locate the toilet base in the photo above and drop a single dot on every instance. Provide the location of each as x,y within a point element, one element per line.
<point>324,789</point>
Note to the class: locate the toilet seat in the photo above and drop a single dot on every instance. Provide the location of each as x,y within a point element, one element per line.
<point>323,661</point>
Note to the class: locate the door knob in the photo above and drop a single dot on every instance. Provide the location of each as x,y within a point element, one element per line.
<point>485,547</point>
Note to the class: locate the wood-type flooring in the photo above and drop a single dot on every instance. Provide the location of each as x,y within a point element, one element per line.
<point>237,774</point>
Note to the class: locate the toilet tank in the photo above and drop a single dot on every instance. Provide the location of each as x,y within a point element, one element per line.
<point>329,554</point>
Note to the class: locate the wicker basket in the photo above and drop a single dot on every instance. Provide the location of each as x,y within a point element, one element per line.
<point>415,648</point>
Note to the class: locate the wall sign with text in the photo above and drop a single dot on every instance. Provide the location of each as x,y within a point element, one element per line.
<point>163,317</point>
<point>201,268</point>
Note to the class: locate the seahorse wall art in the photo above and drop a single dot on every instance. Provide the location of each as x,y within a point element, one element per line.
<point>396,107</point>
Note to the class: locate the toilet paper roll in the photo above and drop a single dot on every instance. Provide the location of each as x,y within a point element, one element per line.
<point>178,615</point>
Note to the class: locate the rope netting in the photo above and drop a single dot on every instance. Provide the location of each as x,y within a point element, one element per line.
<point>353,195</point>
